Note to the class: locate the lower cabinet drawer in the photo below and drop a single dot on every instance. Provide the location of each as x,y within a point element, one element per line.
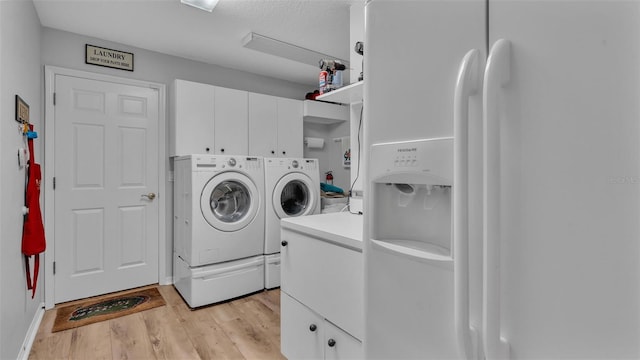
<point>301,330</point>
<point>326,277</point>
<point>307,335</point>
<point>340,345</point>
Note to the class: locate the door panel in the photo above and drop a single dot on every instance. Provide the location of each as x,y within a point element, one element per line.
<point>290,142</point>
<point>106,232</point>
<point>263,125</point>
<point>231,122</point>
<point>568,130</point>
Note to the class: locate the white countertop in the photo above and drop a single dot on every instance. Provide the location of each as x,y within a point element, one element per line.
<point>342,228</point>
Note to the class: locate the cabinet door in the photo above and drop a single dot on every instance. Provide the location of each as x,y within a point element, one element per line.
<point>192,123</point>
<point>336,275</point>
<point>290,138</point>
<point>263,125</point>
<point>231,121</point>
<point>340,345</point>
<point>302,330</point>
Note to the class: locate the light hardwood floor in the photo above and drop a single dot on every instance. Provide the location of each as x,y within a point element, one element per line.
<point>245,328</point>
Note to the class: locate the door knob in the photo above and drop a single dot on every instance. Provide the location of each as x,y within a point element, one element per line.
<point>149,196</point>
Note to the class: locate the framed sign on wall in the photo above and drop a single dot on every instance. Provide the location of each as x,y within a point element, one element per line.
<point>95,55</point>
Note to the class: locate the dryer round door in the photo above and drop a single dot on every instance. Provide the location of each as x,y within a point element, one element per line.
<point>229,201</point>
<point>294,195</point>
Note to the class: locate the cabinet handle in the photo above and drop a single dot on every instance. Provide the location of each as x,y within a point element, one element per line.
<point>221,150</point>
<point>207,149</point>
<point>313,327</point>
<point>273,152</point>
<point>284,243</point>
<point>284,153</point>
<point>331,343</point>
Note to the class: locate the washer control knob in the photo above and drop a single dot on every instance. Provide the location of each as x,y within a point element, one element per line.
<point>295,164</point>
<point>232,162</point>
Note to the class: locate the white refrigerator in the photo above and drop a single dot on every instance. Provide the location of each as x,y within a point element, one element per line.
<point>502,201</point>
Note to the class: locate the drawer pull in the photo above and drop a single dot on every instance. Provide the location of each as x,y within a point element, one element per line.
<point>331,343</point>
<point>284,243</point>
<point>313,327</point>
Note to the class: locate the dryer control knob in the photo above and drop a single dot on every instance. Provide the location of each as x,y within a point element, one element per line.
<point>294,163</point>
<point>232,162</point>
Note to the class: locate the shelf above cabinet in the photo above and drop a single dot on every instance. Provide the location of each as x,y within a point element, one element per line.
<point>350,94</point>
<point>320,112</point>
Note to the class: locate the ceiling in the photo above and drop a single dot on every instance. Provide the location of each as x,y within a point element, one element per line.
<point>169,27</point>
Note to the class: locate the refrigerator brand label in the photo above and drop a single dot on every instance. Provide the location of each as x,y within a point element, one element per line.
<point>407,149</point>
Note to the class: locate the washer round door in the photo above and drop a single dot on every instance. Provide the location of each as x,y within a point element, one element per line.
<point>294,195</point>
<point>229,201</point>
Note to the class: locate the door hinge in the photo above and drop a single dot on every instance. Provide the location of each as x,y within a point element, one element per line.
<point>54,268</point>
<point>54,183</point>
<point>54,99</point>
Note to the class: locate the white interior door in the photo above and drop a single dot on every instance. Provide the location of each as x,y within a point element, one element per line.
<point>106,175</point>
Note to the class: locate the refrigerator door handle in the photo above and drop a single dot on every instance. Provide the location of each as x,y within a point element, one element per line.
<point>496,76</point>
<point>467,85</point>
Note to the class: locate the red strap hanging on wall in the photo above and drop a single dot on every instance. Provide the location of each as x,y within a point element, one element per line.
<point>33,241</point>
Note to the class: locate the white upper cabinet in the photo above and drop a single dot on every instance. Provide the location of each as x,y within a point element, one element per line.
<point>209,119</point>
<point>263,125</point>
<point>275,126</point>
<point>192,126</point>
<point>231,122</point>
<point>290,138</point>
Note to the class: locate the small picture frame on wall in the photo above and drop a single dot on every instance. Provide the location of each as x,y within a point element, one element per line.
<point>22,111</point>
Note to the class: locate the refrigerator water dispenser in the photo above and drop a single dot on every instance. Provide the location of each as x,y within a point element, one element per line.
<point>412,195</point>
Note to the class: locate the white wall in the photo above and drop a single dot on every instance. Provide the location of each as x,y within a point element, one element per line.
<point>66,50</point>
<point>330,155</point>
<point>20,73</point>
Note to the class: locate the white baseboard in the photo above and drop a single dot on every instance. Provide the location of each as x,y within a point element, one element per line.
<point>31,334</point>
<point>167,281</point>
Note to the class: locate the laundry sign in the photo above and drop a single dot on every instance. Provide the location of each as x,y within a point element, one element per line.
<point>116,59</point>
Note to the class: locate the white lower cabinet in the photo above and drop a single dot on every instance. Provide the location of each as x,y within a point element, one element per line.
<point>321,288</point>
<point>307,335</point>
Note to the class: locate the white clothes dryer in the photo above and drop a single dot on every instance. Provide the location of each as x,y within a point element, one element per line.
<point>292,188</point>
<point>219,199</point>
<point>218,220</point>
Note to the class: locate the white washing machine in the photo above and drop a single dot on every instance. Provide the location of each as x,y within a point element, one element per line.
<point>292,188</point>
<point>218,227</point>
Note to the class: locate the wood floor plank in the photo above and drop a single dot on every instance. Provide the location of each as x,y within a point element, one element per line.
<point>249,338</point>
<point>222,312</point>
<point>51,346</point>
<point>91,342</point>
<point>46,324</point>
<point>170,295</point>
<point>270,298</point>
<point>263,321</point>
<point>251,342</point>
<point>129,338</point>
<point>168,338</point>
<point>207,336</point>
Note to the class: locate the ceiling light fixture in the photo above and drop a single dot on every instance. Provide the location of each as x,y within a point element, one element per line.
<point>288,51</point>
<point>206,5</point>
